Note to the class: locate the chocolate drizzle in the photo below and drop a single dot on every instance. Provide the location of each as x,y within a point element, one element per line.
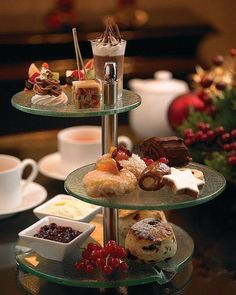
<point>111,34</point>
<point>46,85</point>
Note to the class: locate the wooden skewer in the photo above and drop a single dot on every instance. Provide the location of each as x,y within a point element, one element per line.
<point>78,55</point>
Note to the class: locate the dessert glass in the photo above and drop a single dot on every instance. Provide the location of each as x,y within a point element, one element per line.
<point>105,52</point>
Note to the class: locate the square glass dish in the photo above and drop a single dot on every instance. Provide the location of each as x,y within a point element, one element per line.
<point>49,248</point>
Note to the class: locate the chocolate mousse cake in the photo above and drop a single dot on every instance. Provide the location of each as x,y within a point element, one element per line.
<point>171,147</point>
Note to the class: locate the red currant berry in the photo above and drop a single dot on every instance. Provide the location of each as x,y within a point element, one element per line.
<point>95,254</point>
<point>188,142</point>
<point>80,265</point>
<point>227,147</point>
<point>107,270</point>
<point>93,246</point>
<point>210,134</point>
<point>232,52</point>
<point>219,130</point>
<point>198,135</point>
<point>100,262</point>
<point>120,252</point>
<point>123,266</point>
<point>206,82</point>
<point>148,161</point>
<point>114,263</point>
<point>103,252</point>
<point>89,268</point>
<point>201,125</point>
<point>218,60</point>
<point>164,160</point>
<point>203,137</point>
<point>188,131</point>
<point>86,254</point>
<point>225,137</point>
<point>233,133</point>
<point>233,145</point>
<point>231,160</point>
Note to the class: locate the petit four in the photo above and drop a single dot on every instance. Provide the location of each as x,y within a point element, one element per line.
<point>171,147</point>
<point>47,89</point>
<point>86,94</point>
<point>183,182</point>
<point>151,240</point>
<point>151,177</point>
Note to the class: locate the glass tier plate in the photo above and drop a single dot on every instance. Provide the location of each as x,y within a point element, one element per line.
<point>139,273</point>
<point>34,285</point>
<point>162,199</point>
<point>22,101</point>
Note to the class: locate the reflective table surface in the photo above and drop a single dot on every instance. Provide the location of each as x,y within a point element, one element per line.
<point>212,227</point>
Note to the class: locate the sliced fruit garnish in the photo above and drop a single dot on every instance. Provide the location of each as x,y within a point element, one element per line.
<point>55,75</point>
<point>32,69</point>
<point>32,78</point>
<point>148,161</point>
<point>107,165</point>
<point>164,160</point>
<point>89,64</point>
<point>79,75</point>
<point>121,153</point>
<point>45,65</point>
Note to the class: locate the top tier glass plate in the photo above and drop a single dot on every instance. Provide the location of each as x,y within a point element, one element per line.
<point>162,199</point>
<point>22,101</point>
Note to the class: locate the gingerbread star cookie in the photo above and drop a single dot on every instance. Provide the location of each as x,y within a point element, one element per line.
<point>183,182</point>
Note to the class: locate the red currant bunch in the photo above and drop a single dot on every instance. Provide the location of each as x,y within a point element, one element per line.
<point>107,259</point>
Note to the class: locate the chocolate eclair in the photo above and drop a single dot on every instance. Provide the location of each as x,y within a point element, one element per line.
<point>171,147</point>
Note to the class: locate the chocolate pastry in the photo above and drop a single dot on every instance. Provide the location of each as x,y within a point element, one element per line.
<point>171,147</point>
<point>151,177</point>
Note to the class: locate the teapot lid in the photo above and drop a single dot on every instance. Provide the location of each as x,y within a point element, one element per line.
<point>163,83</point>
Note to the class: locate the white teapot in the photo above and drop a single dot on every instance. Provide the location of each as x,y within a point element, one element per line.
<point>151,118</point>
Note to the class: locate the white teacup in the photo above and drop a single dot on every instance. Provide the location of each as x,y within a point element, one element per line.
<point>81,145</point>
<point>11,188</point>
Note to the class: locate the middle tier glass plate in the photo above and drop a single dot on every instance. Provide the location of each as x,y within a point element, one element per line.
<point>162,199</point>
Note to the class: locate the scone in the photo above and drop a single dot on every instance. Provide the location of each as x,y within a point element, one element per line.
<point>151,240</point>
<point>127,218</point>
<point>105,184</point>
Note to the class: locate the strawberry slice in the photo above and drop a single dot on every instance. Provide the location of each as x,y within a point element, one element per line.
<point>148,161</point>
<point>45,65</point>
<point>89,64</point>
<point>32,78</point>
<point>79,75</point>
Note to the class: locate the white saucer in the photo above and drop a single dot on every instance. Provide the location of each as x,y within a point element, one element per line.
<point>52,167</point>
<point>33,195</point>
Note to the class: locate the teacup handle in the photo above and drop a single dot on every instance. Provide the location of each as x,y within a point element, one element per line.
<point>126,141</point>
<point>33,173</point>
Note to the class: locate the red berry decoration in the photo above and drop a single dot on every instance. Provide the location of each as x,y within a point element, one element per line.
<point>164,160</point>
<point>232,52</point>
<point>106,259</point>
<point>206,82</point>
<point>233,133</point>
<point>219,130</point>
<point>231,160</point>
<point>225,137</point>
<point>218,60</point>
<point>148,161</point>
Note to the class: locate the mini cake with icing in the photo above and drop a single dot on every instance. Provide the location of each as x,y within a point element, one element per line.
<point>48,91</point>
<point>171,147</point>
<point>86,94</point>
<point>128,218</point>
<point>151,240</point>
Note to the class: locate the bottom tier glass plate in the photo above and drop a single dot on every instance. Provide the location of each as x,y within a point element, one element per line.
<point>139,273</point>
<point>36,286</point>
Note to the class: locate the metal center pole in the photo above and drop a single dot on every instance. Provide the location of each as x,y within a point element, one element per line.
<point>109,138</point>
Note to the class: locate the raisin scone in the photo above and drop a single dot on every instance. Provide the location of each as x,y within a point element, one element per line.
<point>151,240</point>
<point>127,218</point>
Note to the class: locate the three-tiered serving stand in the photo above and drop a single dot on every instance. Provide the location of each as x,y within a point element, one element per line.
<point>139,273</point>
